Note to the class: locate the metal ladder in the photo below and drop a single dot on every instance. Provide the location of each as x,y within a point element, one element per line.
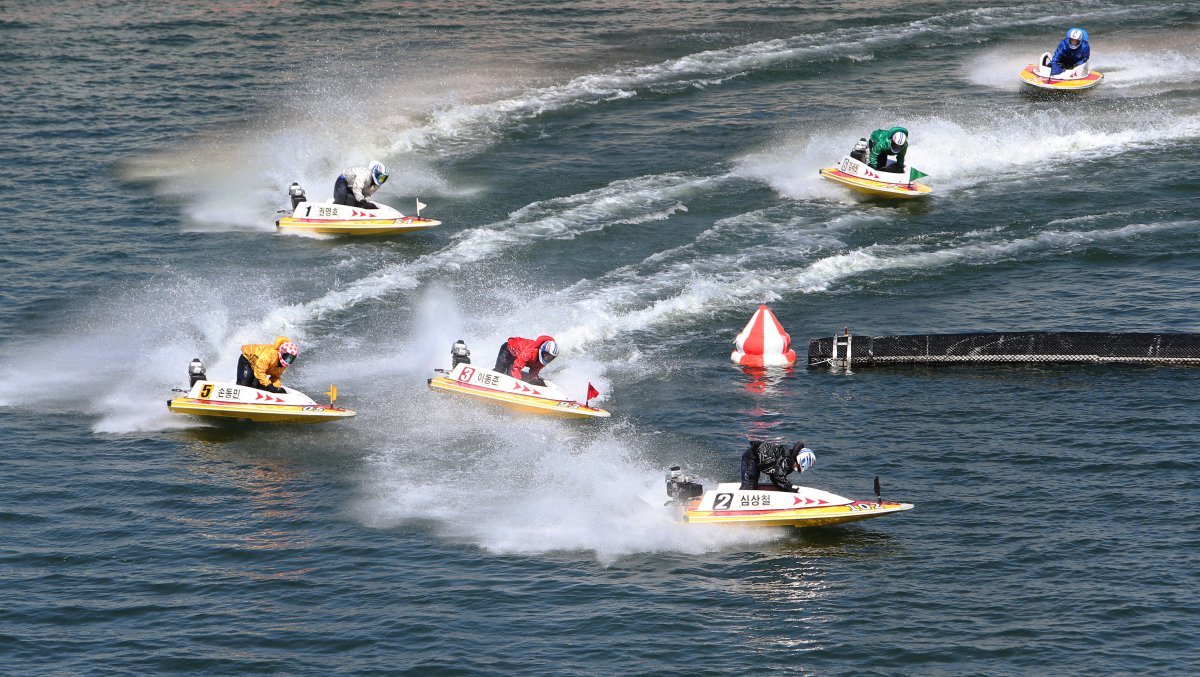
<point>837,363</point>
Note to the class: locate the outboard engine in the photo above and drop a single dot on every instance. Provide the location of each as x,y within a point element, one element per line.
<point>681,487</point>
<point>860,151</point>
<point>196,371</point>
<point>297,194</point>
<point>459,354</point>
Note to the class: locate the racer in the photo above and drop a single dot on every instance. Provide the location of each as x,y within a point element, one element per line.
<point>777,461</point>
<point>883,142</point>
<point>261,365</point>
<point>1072,51</point>
<point>356,185</point>
<point>519,353</point>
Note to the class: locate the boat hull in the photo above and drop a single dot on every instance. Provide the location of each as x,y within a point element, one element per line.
<point>326,218</point>
<point>1031,76</point>
<point>217,399</point>
<point>767,506</point>
<point>862,178</point>
<point>259,413</point>
<point>407,224</point>
<point>801,517</point>
<point>514,394</point>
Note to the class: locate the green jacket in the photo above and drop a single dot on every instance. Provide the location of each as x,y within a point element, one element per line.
<point>880,145</point>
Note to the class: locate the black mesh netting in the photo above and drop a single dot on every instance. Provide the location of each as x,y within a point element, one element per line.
<point>1027,346</point>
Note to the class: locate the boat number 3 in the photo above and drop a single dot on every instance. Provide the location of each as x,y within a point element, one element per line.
<point>722,501</point>
<point>206,391</point>
<point>466,374</point>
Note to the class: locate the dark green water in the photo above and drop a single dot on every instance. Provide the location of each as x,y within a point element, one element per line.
<point>634,181</point>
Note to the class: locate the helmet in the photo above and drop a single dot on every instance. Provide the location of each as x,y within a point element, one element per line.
<point>548,351</point>
<point>806,460</point>
<point>898,140</point>
<point>379,173</point>
<point>288,353</point>
<point>1075,36</point>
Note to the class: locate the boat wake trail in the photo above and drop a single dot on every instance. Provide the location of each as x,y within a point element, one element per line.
<point>533,488</point>
<point>962,153</point>
<point>598,311</point>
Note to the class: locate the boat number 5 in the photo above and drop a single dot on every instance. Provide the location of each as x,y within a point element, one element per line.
<point>206,391</point>
<point>722,501</point>
<point>466,374</point>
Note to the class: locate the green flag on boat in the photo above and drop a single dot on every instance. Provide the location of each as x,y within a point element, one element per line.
<point>913,175</point>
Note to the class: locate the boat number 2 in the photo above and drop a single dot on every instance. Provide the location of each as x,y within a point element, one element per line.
<point>466,374</point>
<point>722,501</point>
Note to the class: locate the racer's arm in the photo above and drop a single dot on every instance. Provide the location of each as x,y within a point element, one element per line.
<point>260,373</point>
<point>1056,58</point>
<point>517,365</point>
<point>781,481</point>
<point>879,152</point>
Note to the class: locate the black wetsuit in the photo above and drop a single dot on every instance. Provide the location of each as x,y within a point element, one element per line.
<point>773,459</point>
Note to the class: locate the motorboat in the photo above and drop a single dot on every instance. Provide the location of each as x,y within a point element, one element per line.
<point>1079,77</point>
<point>768,506</point>
<point>327,218</point>
<point>219,399</point>
<point>859,176</point>
<point>464,378</point>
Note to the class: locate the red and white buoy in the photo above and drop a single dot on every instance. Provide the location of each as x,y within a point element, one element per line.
<point>763,343</point>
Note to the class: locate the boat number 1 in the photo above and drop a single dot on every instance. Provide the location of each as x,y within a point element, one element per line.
<point>722,501</point>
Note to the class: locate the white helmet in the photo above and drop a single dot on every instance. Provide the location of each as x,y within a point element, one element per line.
<point>806,460</point>
<point>898,140</point>
<point>379,173</point>
<point>548,351</point>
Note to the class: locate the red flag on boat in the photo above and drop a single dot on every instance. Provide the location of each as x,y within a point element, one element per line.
<point>592,392</point>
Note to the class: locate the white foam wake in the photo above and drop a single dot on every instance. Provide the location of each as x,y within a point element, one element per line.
<point>594,316</point>
<point>982,148</point>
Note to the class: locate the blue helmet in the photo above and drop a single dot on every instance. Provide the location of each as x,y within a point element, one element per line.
<point>1076,37</point>
<point>548,351</point>
<point>379,173</point>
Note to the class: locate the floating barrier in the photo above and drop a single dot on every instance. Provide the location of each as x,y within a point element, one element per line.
<point>846,351</point>
<point>763,342</point>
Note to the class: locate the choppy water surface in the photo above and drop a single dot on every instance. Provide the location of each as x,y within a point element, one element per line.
<point>634,181</point>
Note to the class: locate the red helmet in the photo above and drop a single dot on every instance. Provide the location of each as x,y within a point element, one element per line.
<point>288,353</point>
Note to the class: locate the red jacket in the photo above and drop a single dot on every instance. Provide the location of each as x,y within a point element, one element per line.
<point>525,353</point>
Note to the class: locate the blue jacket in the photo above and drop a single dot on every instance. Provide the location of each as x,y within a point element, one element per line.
<point>1065,58</point>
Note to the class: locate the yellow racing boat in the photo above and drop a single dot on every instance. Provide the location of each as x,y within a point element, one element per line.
<point>517,395</point>
<point>326,218</point>
<point>768,506</point>
<point>862,178</point>
<point>1078,78</point>
<point>214,399</point>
